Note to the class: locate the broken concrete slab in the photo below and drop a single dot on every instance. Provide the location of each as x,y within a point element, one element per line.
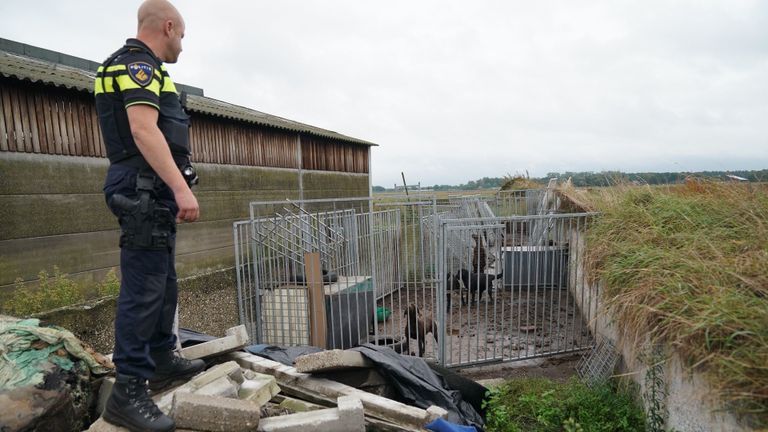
<point>351,412</point>
<point>260,389</point>
<point>435,412</point>
<point>102,426</point>
<point>211,413</point>
<point>236,338</point>
<point>326,361</point>
<point>221,387</point>
<point>227,369</point>
<point>296,405</point>
<point>347,417</point>
<point>377,406</point>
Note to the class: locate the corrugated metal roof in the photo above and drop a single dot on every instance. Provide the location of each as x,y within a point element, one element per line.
<point>36,70</point>
<point>31,69</point>
<point>219,108</point>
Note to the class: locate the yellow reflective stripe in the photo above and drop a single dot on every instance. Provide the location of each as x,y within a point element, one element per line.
<point>142,103</point>
<point>115,67</point>
<point>101,68</point>
<point>105,85</point>
<point>126,83</point>
<point>168,85</point>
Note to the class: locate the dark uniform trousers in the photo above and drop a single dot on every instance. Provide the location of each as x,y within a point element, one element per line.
<point>148,290</point>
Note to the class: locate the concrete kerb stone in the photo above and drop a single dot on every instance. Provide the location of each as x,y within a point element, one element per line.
<point>377,406</point>
<point>236,338</point>
<point>351,411</point>
<point>348,417</point>
<point>211,413</point>
<point>228,369</point>
<point>221,387</point>
<point>260,389</point>
<point>104,390</point>
<point>298,405</point>
<point>326,361</point>
<point>100,425</point>
<point>435,412</point>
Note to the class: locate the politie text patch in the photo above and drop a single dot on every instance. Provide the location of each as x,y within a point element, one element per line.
<point>141,73</point>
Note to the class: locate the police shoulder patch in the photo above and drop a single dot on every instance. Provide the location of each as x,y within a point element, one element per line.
<point>141,72</point>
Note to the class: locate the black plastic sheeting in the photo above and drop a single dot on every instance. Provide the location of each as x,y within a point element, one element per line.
<point>189,337</point>
<point>421,386</point>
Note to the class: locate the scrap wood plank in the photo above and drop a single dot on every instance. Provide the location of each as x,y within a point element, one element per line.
<point>317,320</point>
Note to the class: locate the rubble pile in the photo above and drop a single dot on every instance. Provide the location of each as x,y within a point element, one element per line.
<point>49,380</point>
<point>239,391</point>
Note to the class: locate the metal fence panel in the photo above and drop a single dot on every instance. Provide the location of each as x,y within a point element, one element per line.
<point>523,302</point>
<point>442,279</point>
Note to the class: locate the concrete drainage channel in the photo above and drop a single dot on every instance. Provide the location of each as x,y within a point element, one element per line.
<point>240,391</point>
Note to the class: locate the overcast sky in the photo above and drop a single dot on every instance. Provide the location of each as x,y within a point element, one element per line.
<point>454,91</point>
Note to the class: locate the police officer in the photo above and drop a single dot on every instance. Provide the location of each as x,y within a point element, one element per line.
<point>147,187</point>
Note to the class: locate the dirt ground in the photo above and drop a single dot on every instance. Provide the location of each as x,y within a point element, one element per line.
<point>558,368</point>
<point>513,324</point>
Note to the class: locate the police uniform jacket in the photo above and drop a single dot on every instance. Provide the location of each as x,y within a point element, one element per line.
<point>134,75</point>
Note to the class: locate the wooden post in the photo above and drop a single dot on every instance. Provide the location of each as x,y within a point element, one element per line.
<point>314,278</point>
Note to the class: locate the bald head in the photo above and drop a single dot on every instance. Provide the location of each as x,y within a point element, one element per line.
<point>161,27</point>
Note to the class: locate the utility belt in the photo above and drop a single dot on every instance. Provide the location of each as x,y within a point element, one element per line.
<point>185,167</point>
<point>144,221</point>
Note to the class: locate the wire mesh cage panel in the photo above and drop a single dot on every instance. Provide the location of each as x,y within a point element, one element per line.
<point>598,364</point>
<point>375,261</point>
<point>408,289</point>
<point>516,299</point>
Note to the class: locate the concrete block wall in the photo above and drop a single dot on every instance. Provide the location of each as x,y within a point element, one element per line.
<point>52,212</point>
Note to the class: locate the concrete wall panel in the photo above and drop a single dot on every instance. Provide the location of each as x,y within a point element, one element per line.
<point>52,212</point>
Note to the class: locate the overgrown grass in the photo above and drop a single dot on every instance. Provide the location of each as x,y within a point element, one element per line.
<point>56,290</point>
<point>688,266</point>
<point>541,405</point>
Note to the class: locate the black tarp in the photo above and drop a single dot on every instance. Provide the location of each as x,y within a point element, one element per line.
<point>416,381</point>
<point>189,337</point>
<point>419,385</point>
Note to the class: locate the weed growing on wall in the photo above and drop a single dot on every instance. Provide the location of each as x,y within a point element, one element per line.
<point>655,389</point>
<point>541,405</point>
<point>54,291</point>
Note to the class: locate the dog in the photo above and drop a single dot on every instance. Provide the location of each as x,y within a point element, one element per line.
<point>477,283</point>
<point>479,255</point>
<point>417,326</point>
<point>453,285</point>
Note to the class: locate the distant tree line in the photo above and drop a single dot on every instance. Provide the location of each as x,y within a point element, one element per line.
<point>605,178</point>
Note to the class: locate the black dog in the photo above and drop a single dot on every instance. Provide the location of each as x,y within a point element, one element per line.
<point>477,283</point>
<point>452,285</point>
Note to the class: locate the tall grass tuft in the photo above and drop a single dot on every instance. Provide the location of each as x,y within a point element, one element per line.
<point>688,265</point>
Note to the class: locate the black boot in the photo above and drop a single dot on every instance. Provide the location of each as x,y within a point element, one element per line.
<point>170,367</point>
<point>130,406</point>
